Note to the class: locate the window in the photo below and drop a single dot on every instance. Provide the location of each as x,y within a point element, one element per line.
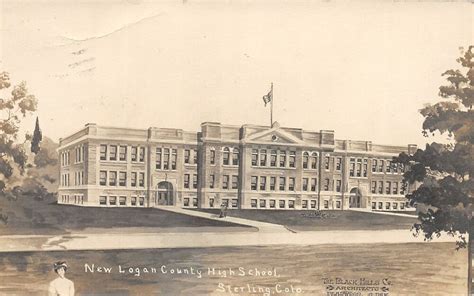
<point>187,155</point>
<point>113,201</point>
<point>103,152</point>
<point>212,156</point>
<point>235,156</point>
<point>380,187</point>
<point>234,203</point>
<point>395,188</point>
<point>338,163</point>
<point>388,188</point>
<point>402,206</point>
<point>122,179</point>
<point>352,167</point>
<point>326,204</point>
<point>166,158</point>
<point>141,201</point>
<point>313,204</point>
<point>195,181</point>
<point>226,156</point>
<point>195,156</point>
<point>133,200</point>
<point>212,180</point>
<point>326,163</point>
<point>235,182</point>
<point>374,205</point>
<point>123,153</point>
<point>380,205</point>
<point>291,184</point>
<point>186,202</point>
<point>103,178</point>
<point>134,153</point>
<point>374,187</point>
<point>141,156</point>
<point>211,202</point>
<point>141,179</point>
<point>123,200</point>
<point>253,203</point>
<point>387,206</point>
<point>338,185</point>
<point>365,168</point>
<point>273,158</point>
<point>291,204</point>
<point>313,184</point>
<point>174,156</point>
<point>263,157</point>
<point>112,178</point>
<point>281,204</point>
<point>254,157</point>
<point>254,181</point>
<point>359,167</point>
<point>263,203</point>
<point>304,204</point>
<point>133,181</point>
<point>225,202</point>
<point>282,183</point>
<point>305,160</point>
<point>186,181</point>
<point>305,184</point>
<point>381,162</point>
<point>374,165</point>
<point>103,200</point>
<point>292,159</point>
<point>195,202</point>
<point>158,158</point>
<point>403,186</point>
<point>282,159</point>
<point>314,160</point>
<point>326,184</point>
<point>263,183</point>
<point>395,206</point>
<point>225,182</point>
<point>113,152</point>
<point>272,203</point>
<point>388,167</point>
<point>272,183</point>
<point>338,204</point>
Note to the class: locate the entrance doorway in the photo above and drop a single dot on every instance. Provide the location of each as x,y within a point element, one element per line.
<point>164,194</point>
<point>355,198</point>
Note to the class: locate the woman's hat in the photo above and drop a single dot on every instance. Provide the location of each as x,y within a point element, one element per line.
<point>60,264</point>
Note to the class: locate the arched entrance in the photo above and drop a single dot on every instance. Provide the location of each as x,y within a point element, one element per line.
<point>355,198</point>
<point>164,194</point>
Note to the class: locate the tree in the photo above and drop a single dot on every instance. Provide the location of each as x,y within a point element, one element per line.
<point>444,172</point>
<point>37,137</point>
<point>14,107</point>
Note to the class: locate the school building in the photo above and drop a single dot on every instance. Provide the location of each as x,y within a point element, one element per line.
<point>247,167</point>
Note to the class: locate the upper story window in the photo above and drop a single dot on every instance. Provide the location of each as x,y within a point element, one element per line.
<point>174,157</point>
<point>305,160</point>
<point>273,158</point>
<point>388,167</point>
<point>254,157</point>
<point>374,165</point>
<point>226,156</point>
<point>359,167</point>
<point>212,156</point>
<point>352,167</point>
<point>381,163</point>
<point>314,160</point>
<point>166,158</point>
<point>187,155</point>
<point>113,152</point>
<point>158,159</point>
<point>253,183</point>
<point>263,157</point>
<point>282,159</point>
<point>103,152</point>
<point>282,183</point>
<point>338,163</point>
<point>123,153</point>
<point>141,156</point>
<point>326,162</point>
<point>291,184</point>
<point>292,159</point>
<point>235,156</point>
<point>225,182</point>
<point>134,153</point>
<point>195,156</point>
<point>235,182</point>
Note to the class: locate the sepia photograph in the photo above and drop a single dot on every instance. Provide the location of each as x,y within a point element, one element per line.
<point>243,147</point>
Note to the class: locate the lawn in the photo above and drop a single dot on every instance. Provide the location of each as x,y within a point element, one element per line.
<point>30,216</point>
<point>333,220</point>
<point>405,269</point>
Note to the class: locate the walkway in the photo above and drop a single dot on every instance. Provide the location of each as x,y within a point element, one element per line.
<point>262,226</point>
<point>383,213</point>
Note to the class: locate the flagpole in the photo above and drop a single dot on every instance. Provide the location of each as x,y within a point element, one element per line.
<point>271,107</point>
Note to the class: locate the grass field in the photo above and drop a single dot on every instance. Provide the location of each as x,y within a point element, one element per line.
<point>335,220</point>
<point>29,216</point>
<point>410,269</point>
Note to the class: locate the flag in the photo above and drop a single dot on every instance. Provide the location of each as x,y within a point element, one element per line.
<point>268,97</point>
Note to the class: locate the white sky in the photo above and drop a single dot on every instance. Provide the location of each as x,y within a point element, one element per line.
<point>362,69</point>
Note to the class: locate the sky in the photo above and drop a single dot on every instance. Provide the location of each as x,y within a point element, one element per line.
<point>362,69</point>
